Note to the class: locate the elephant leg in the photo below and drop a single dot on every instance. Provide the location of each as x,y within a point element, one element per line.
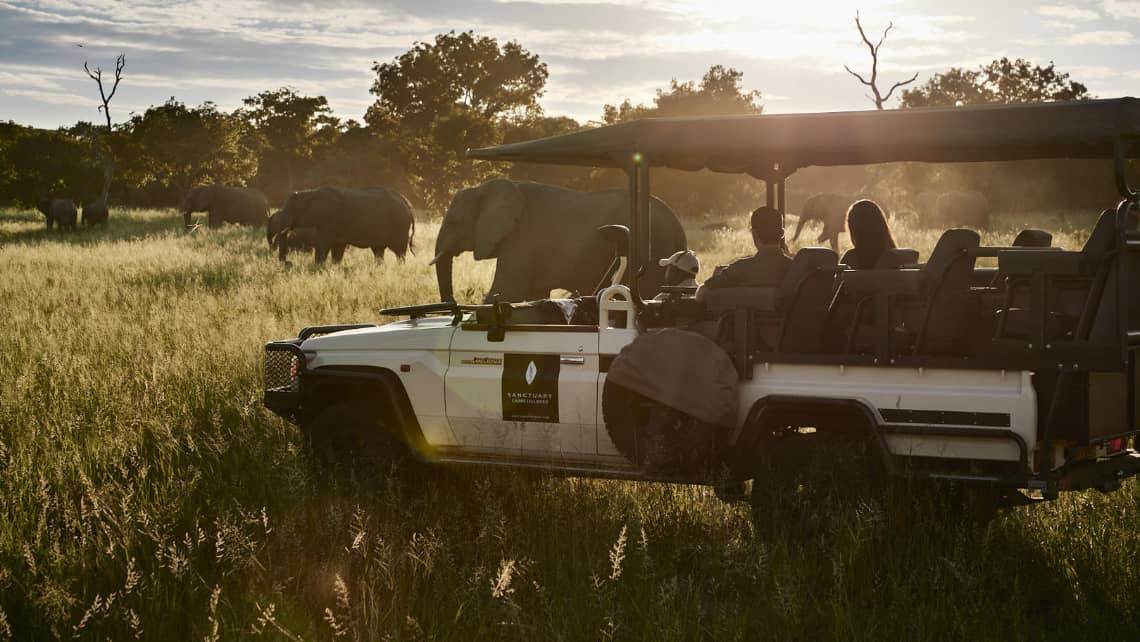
<point>320,253</point>
<point>49,223</point>
<point>378,252</point>
<point>213,220</point>
<point>799,227</point>
<point>338,253</point>
<point>511,283</point>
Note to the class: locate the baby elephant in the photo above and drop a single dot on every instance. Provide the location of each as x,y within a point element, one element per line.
<point>59,211</point>
<point>95,214</point>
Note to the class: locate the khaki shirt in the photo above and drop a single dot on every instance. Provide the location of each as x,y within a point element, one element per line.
<point>765,268</point>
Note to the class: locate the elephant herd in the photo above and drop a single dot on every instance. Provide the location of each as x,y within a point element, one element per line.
<point>543,237</point>
<point>942,210</point>
<point>62,212</point>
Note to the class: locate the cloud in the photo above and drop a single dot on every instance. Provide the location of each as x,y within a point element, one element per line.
<point>1068,12</point>
<point>1100,38</point>
<point>48,96</point>
<point>1122,8</point>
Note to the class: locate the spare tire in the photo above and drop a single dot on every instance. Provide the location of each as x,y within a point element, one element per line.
<point>669,401</point>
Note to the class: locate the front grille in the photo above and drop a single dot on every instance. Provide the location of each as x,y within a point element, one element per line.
<point>282,368</point>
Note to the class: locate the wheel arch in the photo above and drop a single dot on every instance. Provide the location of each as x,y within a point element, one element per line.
<point>331,384</point>
<point>837,414</point>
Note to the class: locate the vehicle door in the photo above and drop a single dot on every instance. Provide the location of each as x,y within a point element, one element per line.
<point>533,394</point>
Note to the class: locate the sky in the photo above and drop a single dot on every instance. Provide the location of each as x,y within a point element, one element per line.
<point>598,51</point>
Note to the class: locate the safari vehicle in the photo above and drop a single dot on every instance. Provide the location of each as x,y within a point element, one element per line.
<point>1020,376</point>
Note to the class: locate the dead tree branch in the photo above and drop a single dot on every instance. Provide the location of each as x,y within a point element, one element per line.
<point>873,83</point>
<point>106,153</point>
<point>97,76</point>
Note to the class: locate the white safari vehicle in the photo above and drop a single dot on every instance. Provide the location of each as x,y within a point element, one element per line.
<point>1022,375</point>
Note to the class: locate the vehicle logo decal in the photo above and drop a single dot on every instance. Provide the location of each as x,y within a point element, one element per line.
<point>530,387</point>
<point>482,361</point>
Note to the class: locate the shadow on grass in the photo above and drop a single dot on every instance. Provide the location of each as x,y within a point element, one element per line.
<point>29,228</point>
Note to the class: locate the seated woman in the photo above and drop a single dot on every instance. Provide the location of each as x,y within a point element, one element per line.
<point>868,230</point>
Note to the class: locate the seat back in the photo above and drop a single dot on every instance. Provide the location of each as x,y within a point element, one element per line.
<point>806,294</point>
<point>1033,238</point>
<point>949,274</point>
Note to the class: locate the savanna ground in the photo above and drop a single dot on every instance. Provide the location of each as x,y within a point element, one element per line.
<point>145,493</point>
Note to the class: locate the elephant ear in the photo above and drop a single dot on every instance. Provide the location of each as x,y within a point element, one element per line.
<point>500,208</point>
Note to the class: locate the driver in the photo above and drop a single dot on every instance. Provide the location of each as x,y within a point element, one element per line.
<point>766,267</point>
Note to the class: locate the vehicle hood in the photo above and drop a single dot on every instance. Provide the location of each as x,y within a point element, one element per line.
<point>430,333</point>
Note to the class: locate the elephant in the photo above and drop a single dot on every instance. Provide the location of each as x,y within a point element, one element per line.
<point>545,237</point>
<point>827,208</point>
<point>225,204</point>
<point>59,211</point>
<point>332,218</point>
<point>95,214</point>
<point>301,238</point>
<point>963,209</point>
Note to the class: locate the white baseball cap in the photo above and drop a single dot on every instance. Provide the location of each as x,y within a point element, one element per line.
<point>685,261</point>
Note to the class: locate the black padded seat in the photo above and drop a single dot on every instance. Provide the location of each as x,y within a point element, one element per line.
<point>1064,279</point>
<point>790,317</point>
<point>541,312</point>
<point>930,303</point>
<point>1033,238</point>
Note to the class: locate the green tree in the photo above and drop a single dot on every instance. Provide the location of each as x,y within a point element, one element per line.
<point>360,157</point>
<point>1002,81</point>
<point>288,130</point>
<point>176,147</point>
<point>41,162</point>
<point>443,97</point>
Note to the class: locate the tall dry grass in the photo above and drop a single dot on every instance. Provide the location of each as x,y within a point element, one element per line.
<point>146,494</point>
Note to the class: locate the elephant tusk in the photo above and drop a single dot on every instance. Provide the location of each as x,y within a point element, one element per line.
<point>437,258</point>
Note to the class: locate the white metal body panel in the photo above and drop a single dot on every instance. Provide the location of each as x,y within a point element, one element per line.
<point>988,391</point>
<point>474,395</point>
<point>421,344</point>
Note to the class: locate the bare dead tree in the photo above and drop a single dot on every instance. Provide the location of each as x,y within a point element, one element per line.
<point>108,157</point>
<point>878,98</point>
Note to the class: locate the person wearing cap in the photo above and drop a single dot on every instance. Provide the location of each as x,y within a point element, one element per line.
<point>766,267</point>
<point>681,269</point>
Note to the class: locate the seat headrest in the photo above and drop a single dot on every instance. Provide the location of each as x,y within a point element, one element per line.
<point>1033,238</point>
<point>804,264</point>
<point>896,257</point>
<point>950,245</point>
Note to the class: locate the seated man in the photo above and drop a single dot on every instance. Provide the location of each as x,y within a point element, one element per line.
<point>766,267</point>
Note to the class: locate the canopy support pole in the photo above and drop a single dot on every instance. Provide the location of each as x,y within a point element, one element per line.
<point>634,228</point>
<point>1120,158</point>
<point>644,226</point>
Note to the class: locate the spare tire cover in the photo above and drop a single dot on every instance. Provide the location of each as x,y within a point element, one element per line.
<point>682,370</point>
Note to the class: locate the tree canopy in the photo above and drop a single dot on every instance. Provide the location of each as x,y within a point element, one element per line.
<point>1002,81</point>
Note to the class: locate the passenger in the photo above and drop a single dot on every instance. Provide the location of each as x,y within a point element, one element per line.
<point>681,269</point>
<point>766,267</point>
<point>869,234</point>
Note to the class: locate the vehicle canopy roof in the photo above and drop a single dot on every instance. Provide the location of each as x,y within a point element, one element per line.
<point>767,145</point>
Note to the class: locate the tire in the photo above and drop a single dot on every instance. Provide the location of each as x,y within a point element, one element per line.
<point>656,438</point>
<point>350,431</point>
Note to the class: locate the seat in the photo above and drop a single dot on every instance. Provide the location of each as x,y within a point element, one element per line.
<point>1048,292</point>
<point>896,258</point>
<point>923,310</point>
<point>789,317</point>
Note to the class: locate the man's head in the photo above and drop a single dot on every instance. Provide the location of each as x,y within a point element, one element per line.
<point>680,267</point>
<point>767,227</point>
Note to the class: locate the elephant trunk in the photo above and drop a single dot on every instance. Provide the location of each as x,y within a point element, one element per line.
<point>443,265</point>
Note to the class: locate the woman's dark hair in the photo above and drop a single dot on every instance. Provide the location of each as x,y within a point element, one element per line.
<point>869,233</point>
